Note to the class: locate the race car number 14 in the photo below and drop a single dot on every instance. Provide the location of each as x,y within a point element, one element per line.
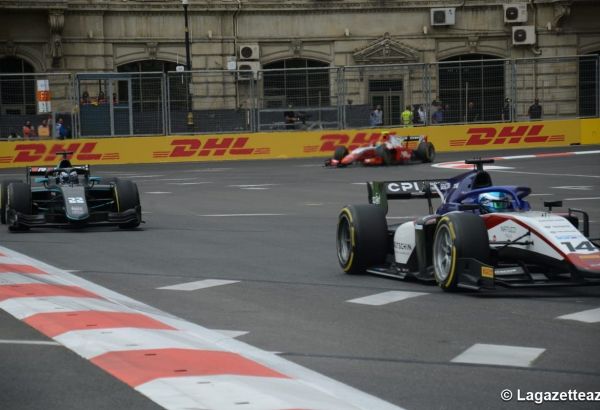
<point>583,246</point>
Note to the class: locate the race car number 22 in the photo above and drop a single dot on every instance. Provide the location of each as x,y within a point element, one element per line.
<point>76,200</point>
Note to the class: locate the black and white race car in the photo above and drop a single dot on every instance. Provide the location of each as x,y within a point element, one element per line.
<point>480,236</point>
<point>68,196</point>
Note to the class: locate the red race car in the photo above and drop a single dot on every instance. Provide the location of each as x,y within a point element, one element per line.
<point>393,149</point>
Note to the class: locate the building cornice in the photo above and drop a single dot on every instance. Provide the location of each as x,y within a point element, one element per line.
<point>321,6</point>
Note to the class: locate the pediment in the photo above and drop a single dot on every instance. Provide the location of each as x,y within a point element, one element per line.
<point>385,50</point>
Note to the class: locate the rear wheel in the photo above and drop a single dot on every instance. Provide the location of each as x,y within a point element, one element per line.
<point>3,194</point>
<point>458,235</point>
<point>426,151</point>
<point>128,197</point>
<point>18,200</point>
<point>340,152</point>
<point>361,238</point>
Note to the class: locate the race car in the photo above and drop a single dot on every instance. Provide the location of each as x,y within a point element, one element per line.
<point>391,150</point>
<point>68,196</point>
<point>480,236</point>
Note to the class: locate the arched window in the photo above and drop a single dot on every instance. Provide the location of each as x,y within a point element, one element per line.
<point>471,88</point>
<point>588,85</point>
<point>17,92</point>
<point>296,81</point>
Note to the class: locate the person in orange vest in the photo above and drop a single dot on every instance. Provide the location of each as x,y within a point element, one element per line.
<point>407,116</point>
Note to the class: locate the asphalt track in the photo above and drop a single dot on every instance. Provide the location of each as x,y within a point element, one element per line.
<point>270,226</point>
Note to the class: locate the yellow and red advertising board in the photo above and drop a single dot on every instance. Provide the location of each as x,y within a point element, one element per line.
<point>291,144</point>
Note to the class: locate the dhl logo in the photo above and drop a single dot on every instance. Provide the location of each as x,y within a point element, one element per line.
<point>34,152</point>
<point>527,134</point>
<point>194,147</point>
<point>331,141</point>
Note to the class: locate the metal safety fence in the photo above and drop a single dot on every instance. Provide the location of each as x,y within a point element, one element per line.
<point>312,98</point>
<point>37,106</point>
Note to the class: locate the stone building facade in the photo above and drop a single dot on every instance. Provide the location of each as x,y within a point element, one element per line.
<point>115,35</point>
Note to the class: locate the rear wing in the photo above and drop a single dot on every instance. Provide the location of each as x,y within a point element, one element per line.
<point>380,192</point>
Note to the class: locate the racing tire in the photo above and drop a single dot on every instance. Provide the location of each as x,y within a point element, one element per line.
<point>426,151</point>
<point>362,238</point>
<point>3,194</point>
<point>18,200</point>
<point>385,154</point>
<point>340,152</point>
<point>127,197</point>
<point>458,235</point>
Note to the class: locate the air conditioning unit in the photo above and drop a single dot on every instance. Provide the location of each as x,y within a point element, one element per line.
<point>443,17</point>
<point>515,13</point>
<point>249,52</point>
<point>523,35</point>
<point>247,70</point>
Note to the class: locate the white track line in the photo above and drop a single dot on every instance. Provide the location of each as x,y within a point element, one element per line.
<point>499,355</point>
<point>574,187</point>
<point>200,284</point>
<point>587,316</point>
<point>386,297</point>
<point>238,215</point>
<point>188,183</point>
<point>251,185</point>
<point>29,342</point>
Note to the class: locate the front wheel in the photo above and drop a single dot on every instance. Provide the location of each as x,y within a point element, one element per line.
<point>385,154</point>
<point>361,238</point>
<point>128,197</point>
<point>18,200</point>
<point>3,194</point>
<point>457,236</point>
<point>340,152</point>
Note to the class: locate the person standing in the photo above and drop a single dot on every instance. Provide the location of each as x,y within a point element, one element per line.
<point>61,130</point>
<point>407,116</point>
<point>472,113</point>
<point>28,130</point>
<point>43,130</point>
<point>422,114</point>
<point>289,117</point>
<point>438,115</point>
<point>376,117</point>
<point>506,111</point>
<point>535,110</point>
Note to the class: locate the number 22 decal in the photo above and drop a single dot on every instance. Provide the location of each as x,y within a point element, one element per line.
<point>76,200</point>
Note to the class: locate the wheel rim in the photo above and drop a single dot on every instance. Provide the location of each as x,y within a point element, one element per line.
<point>344,241</point>
<point>442,253</point>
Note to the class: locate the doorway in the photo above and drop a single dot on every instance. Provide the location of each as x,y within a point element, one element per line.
<point>389,95</point>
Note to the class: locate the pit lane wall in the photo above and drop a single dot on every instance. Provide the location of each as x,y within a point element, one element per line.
<point>294,144</point>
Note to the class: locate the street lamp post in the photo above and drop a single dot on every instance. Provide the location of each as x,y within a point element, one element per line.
<point>188,63</point>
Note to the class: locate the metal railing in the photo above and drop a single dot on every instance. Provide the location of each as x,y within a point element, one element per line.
<point>223,101</point>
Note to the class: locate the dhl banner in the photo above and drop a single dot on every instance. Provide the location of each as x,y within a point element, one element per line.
<point>590,131</point>
<point>291,144</point>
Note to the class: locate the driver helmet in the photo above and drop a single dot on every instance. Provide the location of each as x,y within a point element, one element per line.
<point>495,201</point>
<point>63,177</point>
<point>73,179</point>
